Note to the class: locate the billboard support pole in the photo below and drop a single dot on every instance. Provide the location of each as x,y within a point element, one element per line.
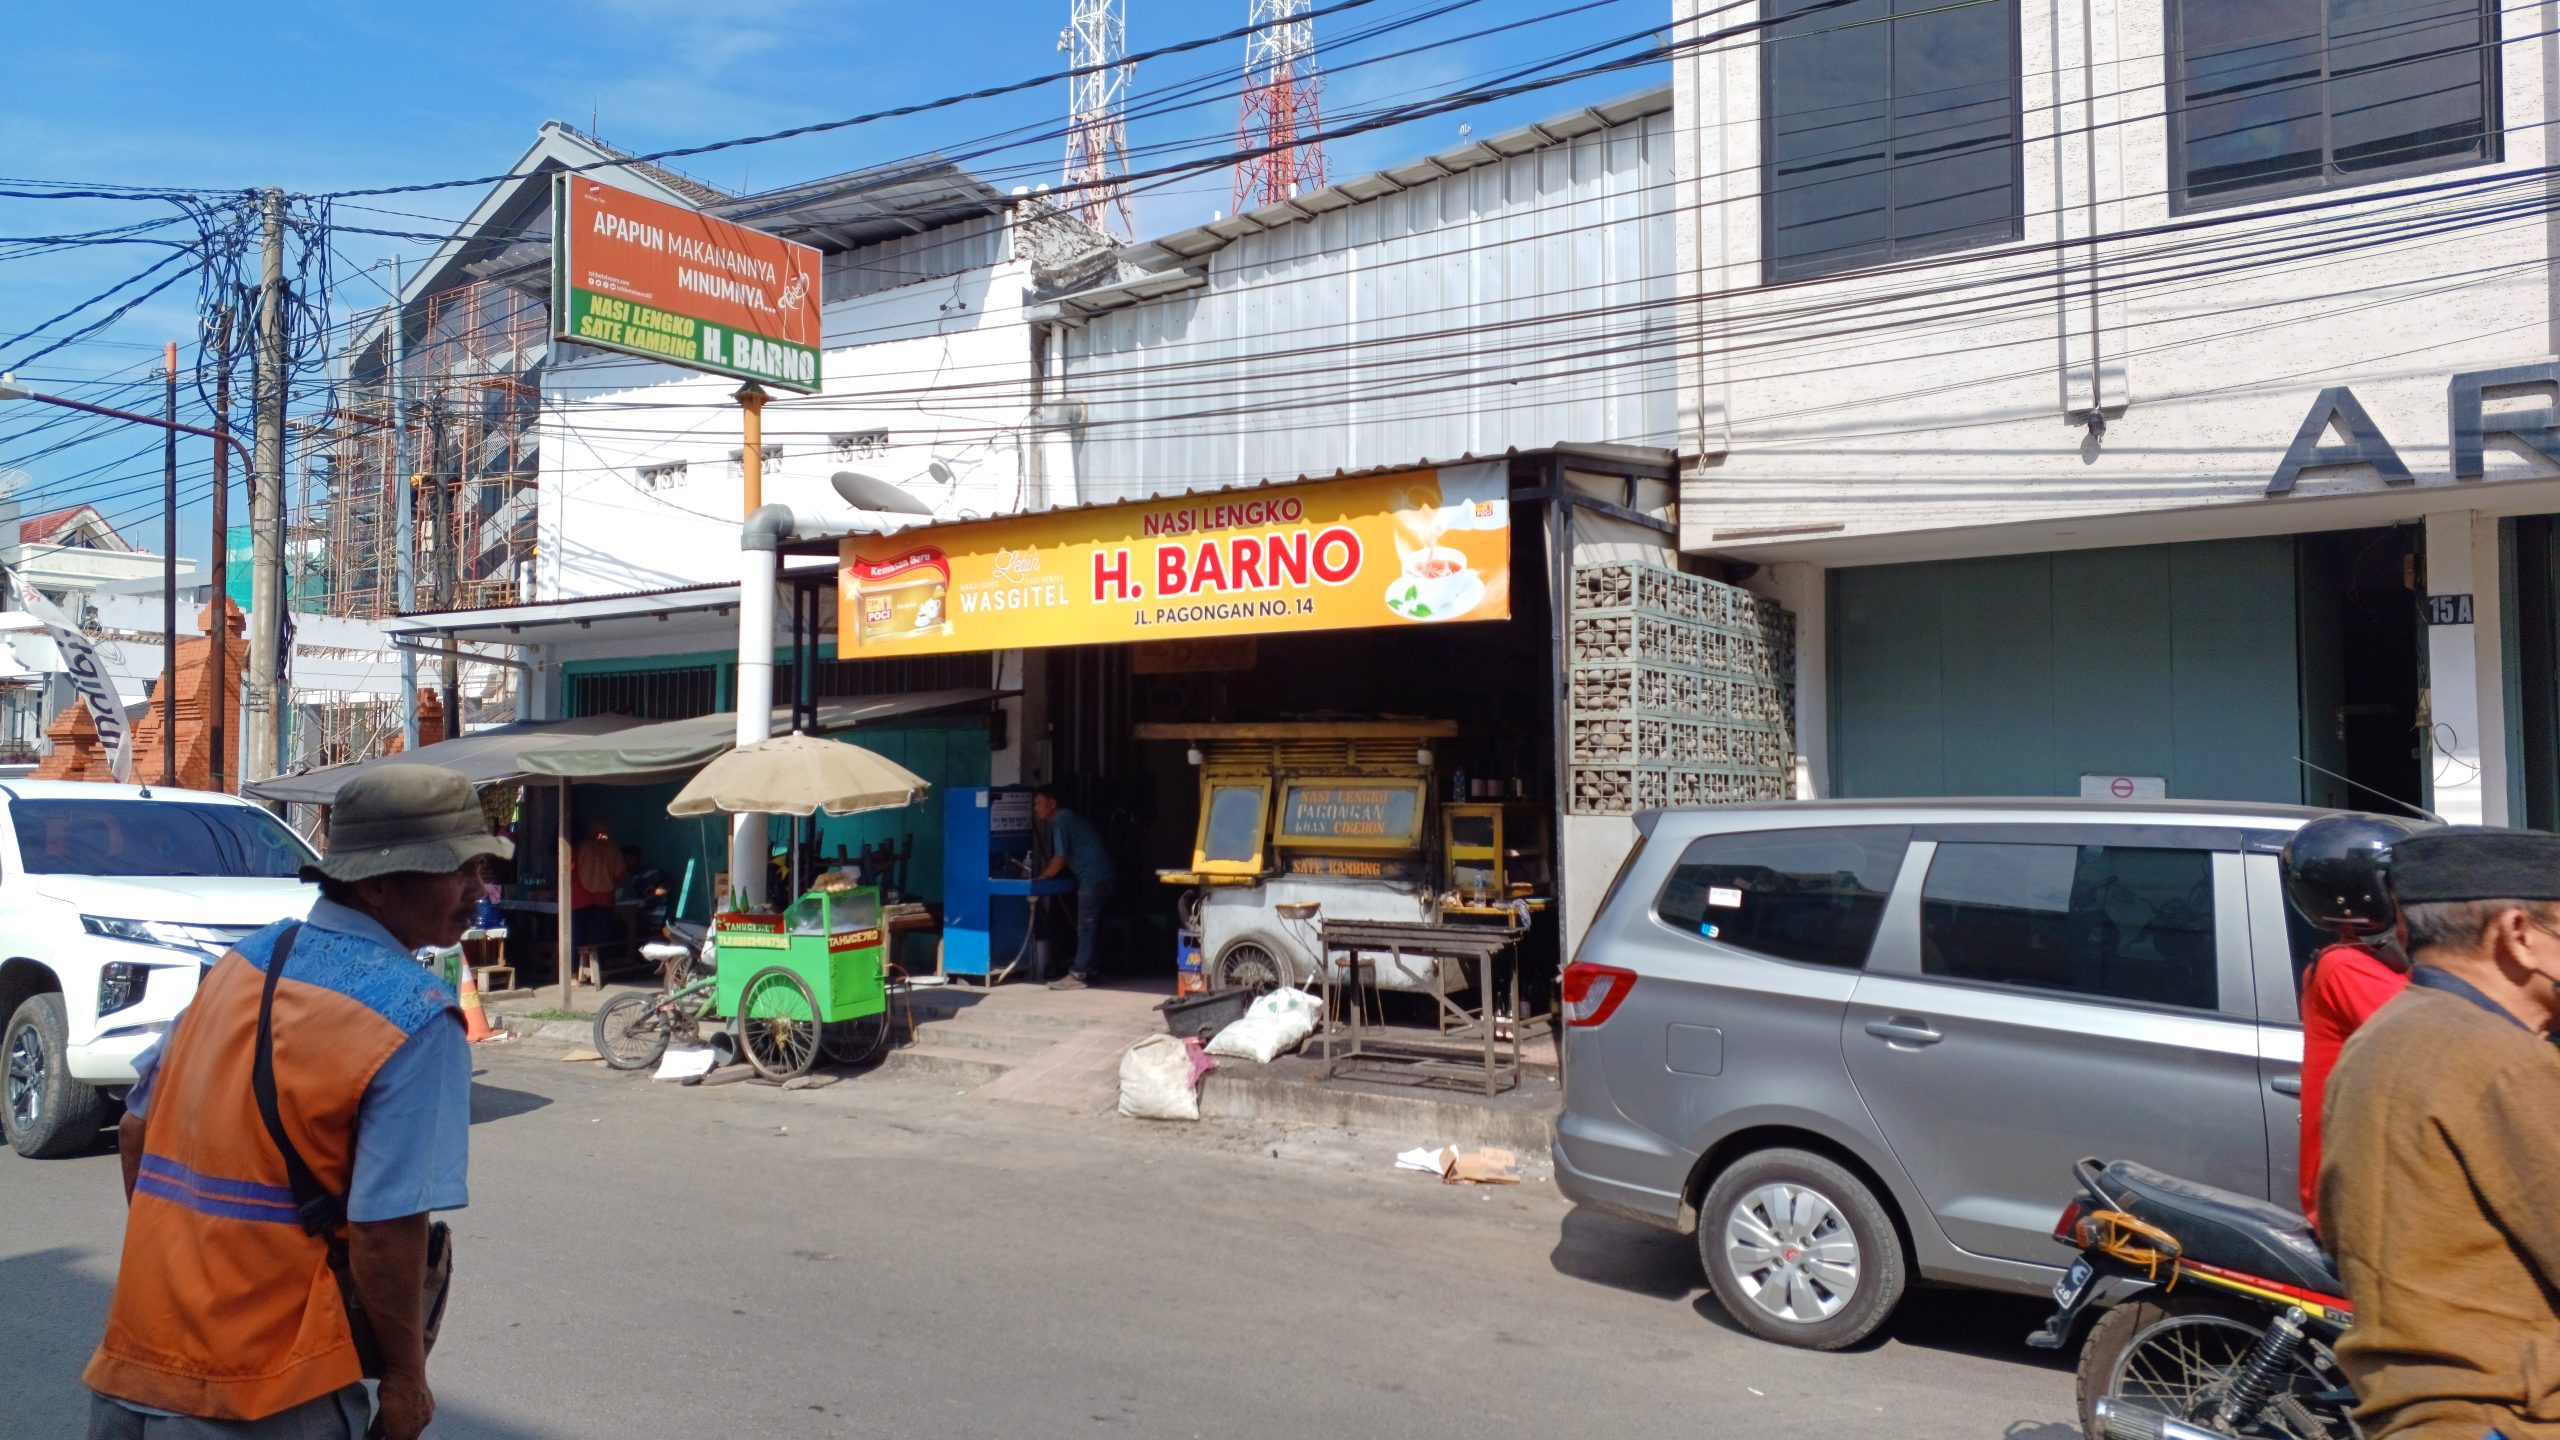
<point>751,398</point>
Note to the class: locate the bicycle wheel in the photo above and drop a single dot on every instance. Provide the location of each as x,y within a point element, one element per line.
<point>631,1032</point>
<point>778,1027</point>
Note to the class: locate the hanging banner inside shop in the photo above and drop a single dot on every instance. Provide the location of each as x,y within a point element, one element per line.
<point>1417,547</point>
<point>88,677</point>
<point>646,278</point>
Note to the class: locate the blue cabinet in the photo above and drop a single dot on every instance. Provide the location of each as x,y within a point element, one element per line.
<point>986,901</point>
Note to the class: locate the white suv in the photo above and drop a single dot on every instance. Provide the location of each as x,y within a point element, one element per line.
<point>113,901</point>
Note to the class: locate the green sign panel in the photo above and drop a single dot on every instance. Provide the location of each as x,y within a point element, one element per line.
<point>665,282</point>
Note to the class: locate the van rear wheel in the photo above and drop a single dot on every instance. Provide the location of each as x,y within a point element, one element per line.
<point>1799,1251</point>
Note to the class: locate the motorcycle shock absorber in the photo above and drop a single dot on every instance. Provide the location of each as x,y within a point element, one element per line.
<point>2258,1375</point>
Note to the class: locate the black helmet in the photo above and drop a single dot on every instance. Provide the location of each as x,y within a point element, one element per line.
<point>2335,868</point>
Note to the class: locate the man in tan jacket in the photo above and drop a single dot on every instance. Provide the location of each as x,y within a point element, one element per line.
<point>2440,1185</point>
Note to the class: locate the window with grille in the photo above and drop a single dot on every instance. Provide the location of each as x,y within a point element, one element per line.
<point>678,694</point>
<point>859,444</point>
<point>839,679</point>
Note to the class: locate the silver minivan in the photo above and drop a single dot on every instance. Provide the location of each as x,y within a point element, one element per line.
<point>1857,1044</point>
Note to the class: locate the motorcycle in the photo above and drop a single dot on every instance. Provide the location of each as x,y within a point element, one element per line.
<point>2222,1313</point>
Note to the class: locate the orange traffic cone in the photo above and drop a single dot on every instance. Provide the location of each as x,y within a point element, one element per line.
<point>475,1021</point>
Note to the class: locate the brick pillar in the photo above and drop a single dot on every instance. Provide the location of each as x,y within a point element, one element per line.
<point>195,707</point>
<point>78,754</point>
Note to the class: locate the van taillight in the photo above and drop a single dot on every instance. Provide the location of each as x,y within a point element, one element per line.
<point>1592,993</point>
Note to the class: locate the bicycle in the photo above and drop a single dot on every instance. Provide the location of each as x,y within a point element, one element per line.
<point>632,1031</point>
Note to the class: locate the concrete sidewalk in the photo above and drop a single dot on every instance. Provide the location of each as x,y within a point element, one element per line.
<point>1060,1049</point>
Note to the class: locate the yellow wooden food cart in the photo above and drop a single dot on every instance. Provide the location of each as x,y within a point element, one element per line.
<point>1307,822</point>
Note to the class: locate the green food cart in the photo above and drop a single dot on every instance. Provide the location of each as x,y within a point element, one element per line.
<point>812,978</point>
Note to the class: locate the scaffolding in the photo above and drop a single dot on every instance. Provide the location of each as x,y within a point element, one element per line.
<point>473,385</point>
<point>470,400</point>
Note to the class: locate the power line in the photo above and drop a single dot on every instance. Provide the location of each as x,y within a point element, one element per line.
<point>824,126</point>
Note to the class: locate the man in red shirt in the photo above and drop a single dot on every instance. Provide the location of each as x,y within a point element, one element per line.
<point>2334,870</point>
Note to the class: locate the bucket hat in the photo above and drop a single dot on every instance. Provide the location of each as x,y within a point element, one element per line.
<point>406,819</point>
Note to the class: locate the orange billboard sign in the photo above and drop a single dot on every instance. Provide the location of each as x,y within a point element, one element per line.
<point>1417,547</point>
<point>647,278</point>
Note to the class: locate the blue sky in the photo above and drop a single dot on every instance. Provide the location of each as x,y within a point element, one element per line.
<point>315,97</point>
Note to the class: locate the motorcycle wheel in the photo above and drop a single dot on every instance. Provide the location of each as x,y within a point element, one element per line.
<point>2176,1356</point>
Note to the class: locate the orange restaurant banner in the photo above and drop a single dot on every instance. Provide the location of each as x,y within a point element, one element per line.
<point>1417,547</point>
<point>647,278</point>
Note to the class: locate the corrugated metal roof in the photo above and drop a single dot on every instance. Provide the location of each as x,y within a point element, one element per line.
<point>859,207</point>
<point>700,192</point>
<point>1515,294</point>
<point>705,596</point>
<point>1144,274</point>
<point>1648,460</point>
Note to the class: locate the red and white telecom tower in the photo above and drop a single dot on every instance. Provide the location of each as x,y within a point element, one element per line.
<point>1280,111</point>
<point>1095,40</point>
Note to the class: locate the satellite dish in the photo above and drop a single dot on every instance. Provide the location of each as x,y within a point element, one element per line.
<point>865,492</point>
<point>13,480</point>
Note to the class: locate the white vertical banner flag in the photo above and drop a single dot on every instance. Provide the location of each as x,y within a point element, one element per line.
<point>81,659</point>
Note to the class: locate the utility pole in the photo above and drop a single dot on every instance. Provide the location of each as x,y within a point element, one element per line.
<point>404,500</point>
<point>448,573</point>
<point>264,700</point>
<point>169,584</point>
<point>220,610</point>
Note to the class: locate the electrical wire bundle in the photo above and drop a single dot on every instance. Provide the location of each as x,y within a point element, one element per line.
<point>1575,341</point>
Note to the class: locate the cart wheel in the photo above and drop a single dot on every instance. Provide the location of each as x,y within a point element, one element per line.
<point>1252,963</point>
<point>856,1042</point>
<point>778,1028</point>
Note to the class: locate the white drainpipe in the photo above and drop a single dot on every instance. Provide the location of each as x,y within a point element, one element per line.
<point>759,571</point>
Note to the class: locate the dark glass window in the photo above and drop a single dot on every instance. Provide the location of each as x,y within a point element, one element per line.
<point>2125,922</point>
<point>1892,130</point>
<point>1234,831</point>
<point>154,837</point>
<point>2270,97</point>
<point>1794,894</point>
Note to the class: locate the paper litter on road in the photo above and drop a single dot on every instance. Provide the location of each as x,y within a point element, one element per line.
<point>1490,1165</point>
<point>684,1064</point>
<point>577,1055</point>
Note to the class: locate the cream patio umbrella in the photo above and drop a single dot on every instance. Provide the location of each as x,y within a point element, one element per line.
<point>798,775</point>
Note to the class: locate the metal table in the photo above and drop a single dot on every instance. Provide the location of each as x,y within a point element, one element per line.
<point>1351,1043</point>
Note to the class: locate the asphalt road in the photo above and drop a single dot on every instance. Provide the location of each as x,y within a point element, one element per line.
<point>887,1257</point>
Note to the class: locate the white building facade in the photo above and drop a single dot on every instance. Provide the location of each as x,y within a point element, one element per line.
<point>2143,391</point>
<point>929,386</point>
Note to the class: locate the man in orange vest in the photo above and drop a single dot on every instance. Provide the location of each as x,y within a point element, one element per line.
<point>263,1282</point>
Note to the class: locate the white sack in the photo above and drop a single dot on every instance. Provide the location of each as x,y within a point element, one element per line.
<point>1276,1023</point>
<point>1155,1081</point>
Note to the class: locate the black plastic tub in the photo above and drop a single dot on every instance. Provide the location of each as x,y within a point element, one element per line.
<point>1206,1015</point>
